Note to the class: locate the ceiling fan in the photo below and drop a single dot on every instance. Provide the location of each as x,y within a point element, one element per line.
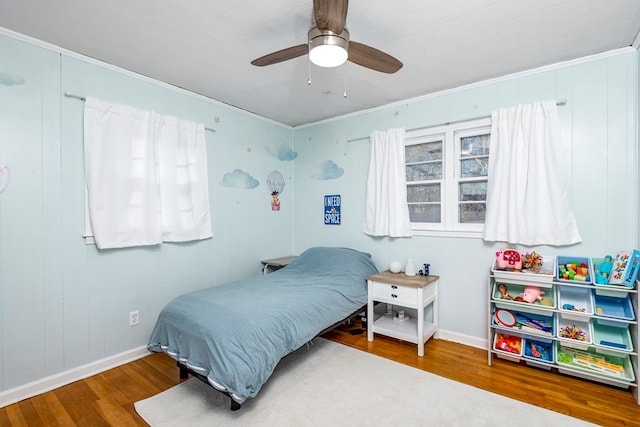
<point>328,43</point>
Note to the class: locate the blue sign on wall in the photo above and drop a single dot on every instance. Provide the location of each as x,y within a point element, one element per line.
<point>332,209</point>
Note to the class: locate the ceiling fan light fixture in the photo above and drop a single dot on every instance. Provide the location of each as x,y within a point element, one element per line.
<point>328,49</point>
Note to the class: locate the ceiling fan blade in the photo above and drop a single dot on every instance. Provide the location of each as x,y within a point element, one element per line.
<point>373,58</point>
<point>281,55</point>
<point>330,14</point>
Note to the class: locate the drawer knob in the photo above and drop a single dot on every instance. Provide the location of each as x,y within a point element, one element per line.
<point>394,296</point>
<point>394,287</point>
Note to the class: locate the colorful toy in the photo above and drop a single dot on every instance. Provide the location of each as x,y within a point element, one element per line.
<point>531,294</point>
<point>539,351</point>
<point>573,332</point>
<point>508,343</point>
<point>584,359</point>
<point>625,267</point>
<point>508,259</point>
<point>573,308</point>
<point>574,271</point>
<point>528,323</point>
<point>532,261</point>
<point>604,270</point>
<point>504,294</point>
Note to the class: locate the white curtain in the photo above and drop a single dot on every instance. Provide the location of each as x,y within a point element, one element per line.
<point>184,189</point>
<point>146,177</point>
<point>527,197</point>
<point>386,210</point>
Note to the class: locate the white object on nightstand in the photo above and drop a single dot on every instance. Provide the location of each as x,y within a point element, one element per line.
<point>395,267</point>
<point>410,267</point>
<point>416,292</point>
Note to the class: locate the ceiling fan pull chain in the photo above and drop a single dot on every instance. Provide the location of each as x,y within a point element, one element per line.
<point>309,71</point>
<point>344,94</point>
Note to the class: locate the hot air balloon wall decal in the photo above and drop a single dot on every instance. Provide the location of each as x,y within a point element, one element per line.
<point>275,182</point>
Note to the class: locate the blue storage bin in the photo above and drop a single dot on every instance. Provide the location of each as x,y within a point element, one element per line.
<point>562,261</point>
<point>612,307</point>
<point>538,350</point>
<point>529,323</point>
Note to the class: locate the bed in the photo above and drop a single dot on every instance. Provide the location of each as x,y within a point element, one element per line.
<point>234,335</point>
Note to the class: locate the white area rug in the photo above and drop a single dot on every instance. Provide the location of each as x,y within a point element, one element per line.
<point>334,385</point>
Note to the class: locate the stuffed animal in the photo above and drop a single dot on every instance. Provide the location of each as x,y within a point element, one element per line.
<point>508,259</point>
<point>532,294</point>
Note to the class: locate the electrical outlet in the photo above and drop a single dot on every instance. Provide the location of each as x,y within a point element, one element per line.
<point>134,318</point>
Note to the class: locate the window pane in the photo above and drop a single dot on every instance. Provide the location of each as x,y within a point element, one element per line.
<point>474,167</point>
<point>477,145</point>
<point>424,172</point>
<point>434,174</point>
<point>472,212</point>
<point>472,191</point>
<point>425,213</point>
<point>424,152</point>
<point>423,193</point>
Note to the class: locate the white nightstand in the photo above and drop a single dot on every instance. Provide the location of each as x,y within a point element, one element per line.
<point>416,292</point>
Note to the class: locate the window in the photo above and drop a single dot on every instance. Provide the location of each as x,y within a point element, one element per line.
<point>447,170</point>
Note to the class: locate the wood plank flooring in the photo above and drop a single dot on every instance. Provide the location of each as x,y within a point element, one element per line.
<point>107,399</point>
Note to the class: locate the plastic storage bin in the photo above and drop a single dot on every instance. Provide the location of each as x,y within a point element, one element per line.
<point>614,337</point>
<point>538,350</point>
<point>583,269</point>
<point>544,277</point>
<point>508,346</point>
<point>504,295</point>
<point>574,333</point>
<point>603,289</point>
<point>527,323</point>
<point>612,307</point>
<point>598,367</point>
<point>575,303</point>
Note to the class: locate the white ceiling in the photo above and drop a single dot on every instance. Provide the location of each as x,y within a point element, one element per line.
<point>205,46</point>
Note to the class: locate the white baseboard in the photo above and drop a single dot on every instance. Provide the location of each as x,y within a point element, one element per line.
<point>463,339</point>
<point>63,378</point>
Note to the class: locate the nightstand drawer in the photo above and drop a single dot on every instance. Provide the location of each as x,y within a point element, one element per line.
<point>394,294</point>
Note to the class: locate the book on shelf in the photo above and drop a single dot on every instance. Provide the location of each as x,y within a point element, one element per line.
<point>624,269</point>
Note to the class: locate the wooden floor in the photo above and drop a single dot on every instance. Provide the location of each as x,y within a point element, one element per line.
<point>107,399</point>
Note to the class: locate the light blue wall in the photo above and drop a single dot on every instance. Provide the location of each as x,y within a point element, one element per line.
<point>598,123</point>
<point>64,304</point>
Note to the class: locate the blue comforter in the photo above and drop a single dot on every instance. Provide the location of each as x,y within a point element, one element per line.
<point>235,334</point>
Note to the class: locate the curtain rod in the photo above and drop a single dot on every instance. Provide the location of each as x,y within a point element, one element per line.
<point>561,102</point>
<point>83,98</point>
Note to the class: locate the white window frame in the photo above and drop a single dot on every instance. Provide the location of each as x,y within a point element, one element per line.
<point>450,135</point>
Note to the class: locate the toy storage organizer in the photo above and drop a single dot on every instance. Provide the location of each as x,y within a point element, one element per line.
<point>577,327</point>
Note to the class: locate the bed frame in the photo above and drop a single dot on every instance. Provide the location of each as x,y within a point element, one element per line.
<point>185,371</point>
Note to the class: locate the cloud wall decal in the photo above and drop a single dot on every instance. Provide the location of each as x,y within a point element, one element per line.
<point>239,179</point>
<point>282,152</point>
<point>329,170</point>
